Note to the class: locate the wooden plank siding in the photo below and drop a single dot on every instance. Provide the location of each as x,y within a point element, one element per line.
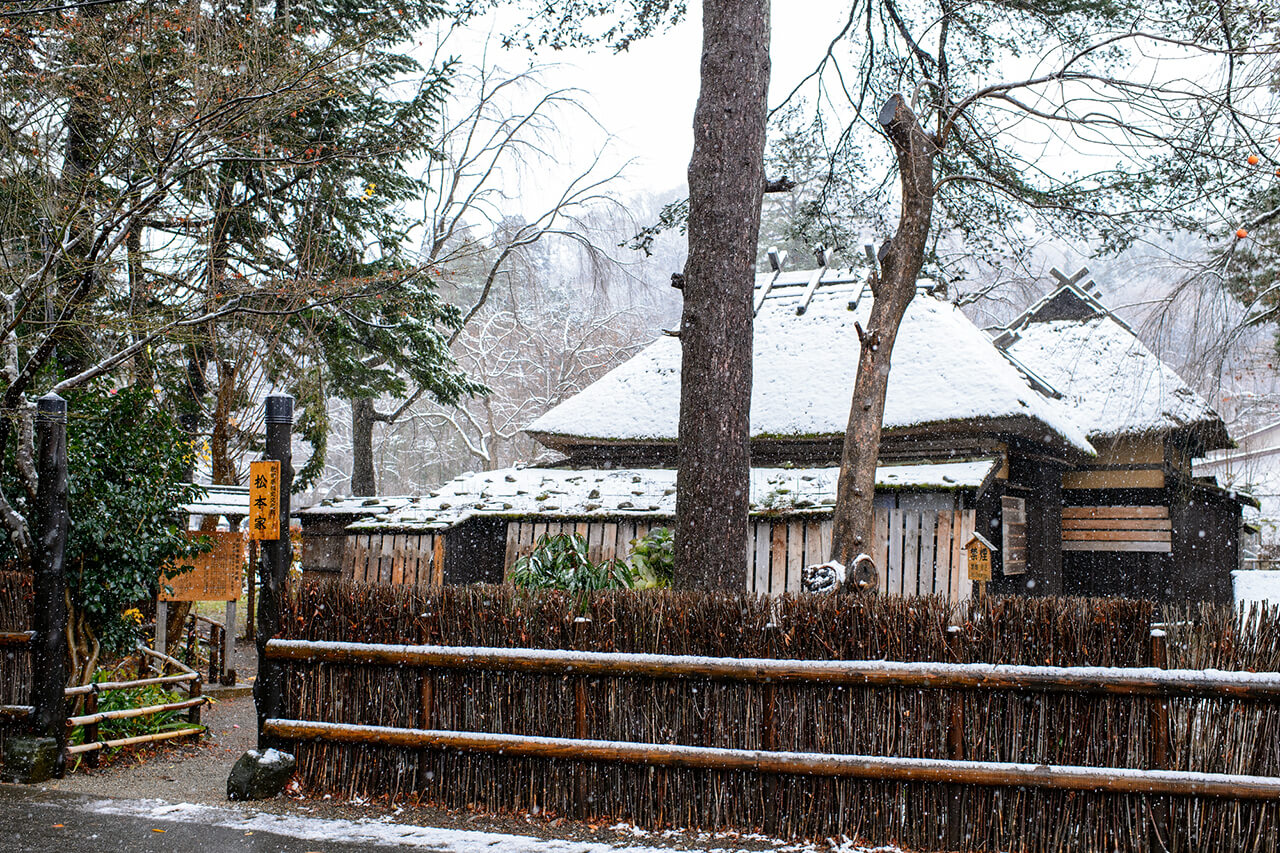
<point>1117,528</point>
<point>919,552</point>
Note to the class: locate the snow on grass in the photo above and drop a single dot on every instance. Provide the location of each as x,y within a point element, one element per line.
<point>385,833</point>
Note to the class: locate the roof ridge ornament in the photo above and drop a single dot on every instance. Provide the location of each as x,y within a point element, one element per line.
<point>777,260</point>
<point>825,257</point>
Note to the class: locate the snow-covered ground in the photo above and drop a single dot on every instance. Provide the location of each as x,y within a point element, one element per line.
<point>1256,585</point>
<point>386,833</point>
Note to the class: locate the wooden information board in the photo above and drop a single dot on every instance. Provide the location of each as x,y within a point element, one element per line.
<point>217,575</point>
<point>979,553</point>
<point>264,500</point>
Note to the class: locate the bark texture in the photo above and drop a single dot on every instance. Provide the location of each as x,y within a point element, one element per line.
<point>363,417</point>
<point>726,179</point>
<point>892,289</point>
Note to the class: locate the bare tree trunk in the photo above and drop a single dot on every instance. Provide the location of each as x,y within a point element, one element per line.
<point>726,179</point>
<point>892,290</point>
<point>363,417</point>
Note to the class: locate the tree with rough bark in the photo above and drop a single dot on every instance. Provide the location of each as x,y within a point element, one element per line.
<point>726,182</point>
<point>1106,133</point>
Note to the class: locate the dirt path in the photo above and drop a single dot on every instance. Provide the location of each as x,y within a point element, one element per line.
<point>191,772</point>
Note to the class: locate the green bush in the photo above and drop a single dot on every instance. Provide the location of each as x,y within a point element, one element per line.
<point>561,562</point>
<point>653,559</point>
<point>137,697</point>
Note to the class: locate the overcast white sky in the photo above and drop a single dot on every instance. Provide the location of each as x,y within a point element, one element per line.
<point>645,97</point>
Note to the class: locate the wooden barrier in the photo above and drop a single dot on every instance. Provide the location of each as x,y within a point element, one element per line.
<point>986,773</point>
<point>1117,681</point>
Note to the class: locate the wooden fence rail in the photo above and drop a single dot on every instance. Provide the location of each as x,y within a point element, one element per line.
<point>1146,681</point>
<point>987,773</point>
<point>1111,681</point>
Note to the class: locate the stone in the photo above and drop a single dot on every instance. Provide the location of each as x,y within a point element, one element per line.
<point>30,760</point>
<point>260,775</point>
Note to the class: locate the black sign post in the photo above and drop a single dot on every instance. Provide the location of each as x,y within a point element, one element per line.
<point>49,619</point>
<point>277,556</point>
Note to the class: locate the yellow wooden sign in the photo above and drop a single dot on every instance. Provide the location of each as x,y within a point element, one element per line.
<point>264,499</point>
<point>216,575</point>
<point>979,553</point>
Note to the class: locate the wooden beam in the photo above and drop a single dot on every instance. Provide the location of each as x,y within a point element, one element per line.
<point>1130,479</point>
<point>985,773</point>
<point>875,673</point>
<point>1151,547</point>
<point>1116,524</point>
<point>1115,512</point>
<point>16,638</point>
<point>1117,535</point>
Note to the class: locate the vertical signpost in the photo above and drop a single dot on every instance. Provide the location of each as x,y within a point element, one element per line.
<point>271,481</point>
<point>49,619</point>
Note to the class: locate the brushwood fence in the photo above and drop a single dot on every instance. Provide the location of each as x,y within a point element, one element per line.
<point>907,753</point>
<point>15,651</point>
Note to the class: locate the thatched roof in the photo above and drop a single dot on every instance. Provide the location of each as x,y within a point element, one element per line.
<point>567,493</point>
<point>946,373</point>
<point>1111,383</point>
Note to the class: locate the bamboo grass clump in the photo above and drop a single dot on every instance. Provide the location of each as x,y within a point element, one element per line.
<point>1218,736</point>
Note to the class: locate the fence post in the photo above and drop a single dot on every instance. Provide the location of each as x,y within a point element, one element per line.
<point>955,746</point>
<point>194,691</point>
<point>49,648</point>
<point>277,556</point>
<point>1160,822</point>
<point>91,730</point>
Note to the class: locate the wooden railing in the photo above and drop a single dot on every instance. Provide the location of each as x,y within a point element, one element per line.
<point>579,666</point>
<point>92,717</point>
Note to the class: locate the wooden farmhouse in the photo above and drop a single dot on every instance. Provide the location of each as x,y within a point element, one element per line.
<point>1135,520</point>
<point>993,437</point>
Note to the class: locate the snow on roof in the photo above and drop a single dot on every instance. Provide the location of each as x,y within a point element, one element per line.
<point>220,500</point>
<point>945,370</point>
<point>1109,379</point>
<point>647,492</point>
<point>355,506</point>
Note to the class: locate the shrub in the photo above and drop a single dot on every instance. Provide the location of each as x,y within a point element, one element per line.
<point>653,559</point>
<point>561,562</point>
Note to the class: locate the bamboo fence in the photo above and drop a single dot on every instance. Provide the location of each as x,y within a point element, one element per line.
<point>1240,736</point>
<point>15,657</point>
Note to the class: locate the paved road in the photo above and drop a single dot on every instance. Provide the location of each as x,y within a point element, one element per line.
<point>34,820</point>
<point>68,823</point>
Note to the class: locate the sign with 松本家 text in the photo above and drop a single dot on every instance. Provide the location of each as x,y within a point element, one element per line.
<point>264,500</point>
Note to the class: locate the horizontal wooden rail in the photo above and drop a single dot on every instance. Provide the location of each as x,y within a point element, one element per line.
<point>132,741</point>
<point>16,712</point>
<point>100,686</point>
<point>165,659</point>
<point>1120,681</point>
<point>16,638</point>
<point>986,773</point>
<point>128,713</point>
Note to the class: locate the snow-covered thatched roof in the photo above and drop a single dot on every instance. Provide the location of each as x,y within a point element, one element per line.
<point>551,493</point>
<point>220,500</point>
<point>1112,384</point>
<point>357,506</point>
<point>946,372</point>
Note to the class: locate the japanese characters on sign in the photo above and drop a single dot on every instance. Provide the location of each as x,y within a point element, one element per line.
<point>264,500</point>
<point>979,553</point>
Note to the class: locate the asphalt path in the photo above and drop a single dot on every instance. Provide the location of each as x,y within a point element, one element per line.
<point>64,823</point>
<point>40,820</point>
